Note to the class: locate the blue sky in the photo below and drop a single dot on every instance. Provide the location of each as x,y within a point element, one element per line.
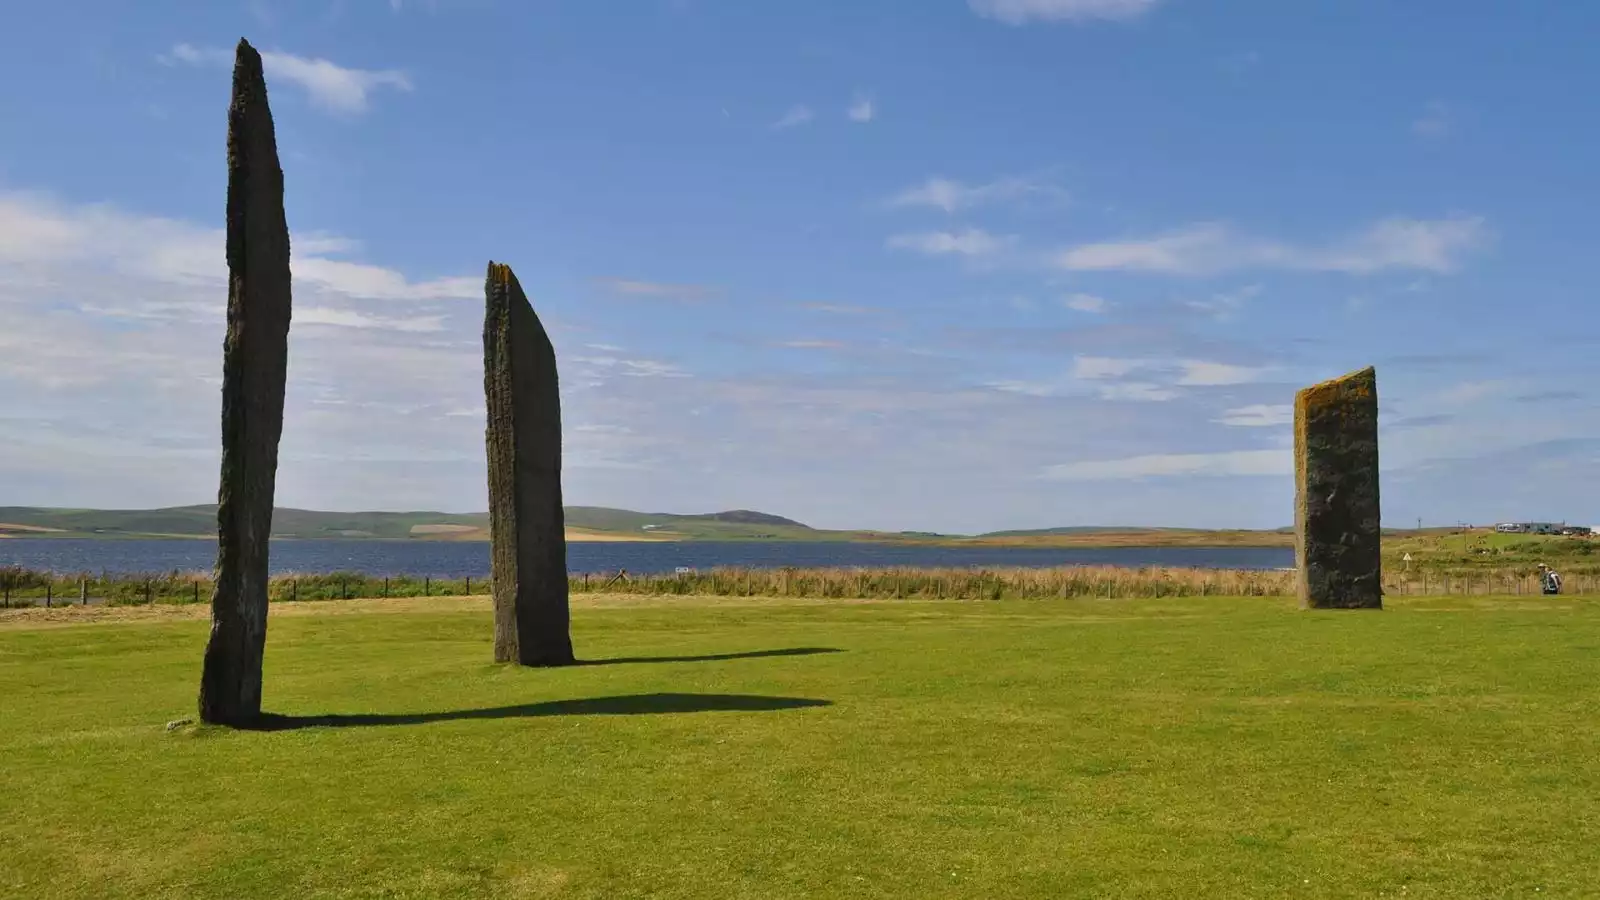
<point>956,264</point>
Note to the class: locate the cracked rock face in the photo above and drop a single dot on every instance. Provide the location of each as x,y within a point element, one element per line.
<point>1336,520</point>
<point>255,360</point>
<point>528,543</point>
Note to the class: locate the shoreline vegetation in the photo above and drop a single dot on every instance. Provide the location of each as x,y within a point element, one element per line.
<point>23,588</point>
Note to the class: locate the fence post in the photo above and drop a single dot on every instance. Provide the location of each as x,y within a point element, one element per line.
<point>48,590</point>
<point>197,592</point>
<point>294,589</point>
<point>425,581</point>
<point>385,587</point>
<point>468,590</point>
<point>83,590</point>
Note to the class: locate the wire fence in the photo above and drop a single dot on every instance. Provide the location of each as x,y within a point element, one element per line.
<point>25,587</point>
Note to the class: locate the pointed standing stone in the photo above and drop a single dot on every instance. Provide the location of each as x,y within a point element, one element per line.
<point>255,358</point>
<point>528,541</point>
<point>1336,520</point>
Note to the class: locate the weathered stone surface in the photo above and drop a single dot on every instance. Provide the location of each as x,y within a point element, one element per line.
<point>1336,517</point>
<point>254,364</point>
<point>528,542</point>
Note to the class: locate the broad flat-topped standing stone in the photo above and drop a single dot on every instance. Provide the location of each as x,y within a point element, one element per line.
<point>255,358</point>
<point>1336,521</point>
<point>527,529</point>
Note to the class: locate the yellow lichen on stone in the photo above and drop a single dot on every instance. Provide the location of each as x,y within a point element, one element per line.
<point>500,273</point>
<point>1353,386</point>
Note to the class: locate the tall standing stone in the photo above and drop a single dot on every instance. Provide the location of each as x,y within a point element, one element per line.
<point>1336,522</point>
<point>255,359</point>
<point>528,542</point>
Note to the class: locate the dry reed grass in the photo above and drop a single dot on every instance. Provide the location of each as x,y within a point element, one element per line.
<point>22,587</point>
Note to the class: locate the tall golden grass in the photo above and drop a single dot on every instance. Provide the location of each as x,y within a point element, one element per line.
<point>948,584</point>
<point>29,587</point>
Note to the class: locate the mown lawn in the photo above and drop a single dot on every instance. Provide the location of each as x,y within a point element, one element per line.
<point>1207,747</point>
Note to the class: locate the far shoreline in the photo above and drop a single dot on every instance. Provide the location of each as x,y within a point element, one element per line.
<point>1132,538</point>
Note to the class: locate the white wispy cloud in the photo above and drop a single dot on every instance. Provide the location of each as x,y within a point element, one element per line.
<point>1259,415</point>
<point>1019,12</point>
<point>349,318</point>
<point>1436,245</point>
<point>862,109</point>
<point>797,115</point>
<point>1019,386</point>
<point>843,309</point>
<point>1468,392</point>
<point>951,195</point>
<point>115,322</point>
<point>971,242</point>
<point>331,87</point>
<point>37,230</point>
<point>1092,376</point>
<point>378,283</point>
<point>1093,368</point>
<point>636,288</point>
<point>813,344</point>
<point>1227,463</point>
<point>188,54</point>
<point>1135,392</point>
<point>1087,303</point>
<point>1200,373</point>
<point>1225,304</point>
<point>639,368</point>
<point>1177,372</point>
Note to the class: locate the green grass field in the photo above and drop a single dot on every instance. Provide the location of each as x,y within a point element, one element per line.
<point>1158,748</point>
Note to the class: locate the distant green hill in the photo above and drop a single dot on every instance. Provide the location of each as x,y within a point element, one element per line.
<point>1072,529</point>
<point>201,521</point>
<point>593,523</point>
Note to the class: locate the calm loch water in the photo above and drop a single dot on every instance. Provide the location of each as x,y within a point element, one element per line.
<point>454,560</point>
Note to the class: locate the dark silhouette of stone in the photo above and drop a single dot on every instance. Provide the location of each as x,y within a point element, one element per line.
<point>255,359</point>
<point>527,529</point>
<point>1336,517</point>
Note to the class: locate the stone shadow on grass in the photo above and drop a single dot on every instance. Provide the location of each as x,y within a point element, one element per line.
<point>710,657</point>
<point>626,705</point>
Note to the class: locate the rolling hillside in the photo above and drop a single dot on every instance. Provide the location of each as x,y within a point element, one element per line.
<point>590,523</point>
<point>201,521</point>
<point>583,522</point>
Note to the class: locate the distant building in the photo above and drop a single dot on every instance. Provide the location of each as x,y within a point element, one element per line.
<point>1539,528</point>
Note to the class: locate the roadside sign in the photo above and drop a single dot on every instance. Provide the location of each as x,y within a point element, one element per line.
<point>1406,558</point>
